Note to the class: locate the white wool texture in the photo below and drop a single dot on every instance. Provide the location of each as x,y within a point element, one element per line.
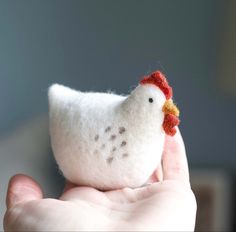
<point>105,140</point>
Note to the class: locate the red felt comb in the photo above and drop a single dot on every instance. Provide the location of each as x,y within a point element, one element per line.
<point>159,80</point>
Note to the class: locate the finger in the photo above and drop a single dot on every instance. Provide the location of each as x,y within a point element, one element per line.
<point>68,186</point>
<point>152,178</point>
<point>157,176</point>
<point>159,173</point>
<point>175,165</point>
<point>22,188</point>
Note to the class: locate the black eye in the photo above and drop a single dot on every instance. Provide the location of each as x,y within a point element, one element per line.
<point>150,100</point>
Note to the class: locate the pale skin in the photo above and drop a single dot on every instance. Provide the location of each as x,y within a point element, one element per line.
<point>166,204</point>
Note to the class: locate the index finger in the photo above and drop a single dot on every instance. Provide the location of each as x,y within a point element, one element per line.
<point>175,165</point>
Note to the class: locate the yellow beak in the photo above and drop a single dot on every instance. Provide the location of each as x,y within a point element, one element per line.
<point>170,108</point>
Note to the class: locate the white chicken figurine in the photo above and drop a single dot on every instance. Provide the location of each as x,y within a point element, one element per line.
<point>109,141</point>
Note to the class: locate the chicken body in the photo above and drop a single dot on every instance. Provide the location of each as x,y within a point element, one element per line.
<point>105,140</point>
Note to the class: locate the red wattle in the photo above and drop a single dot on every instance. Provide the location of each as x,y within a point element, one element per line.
<point>170,121</point>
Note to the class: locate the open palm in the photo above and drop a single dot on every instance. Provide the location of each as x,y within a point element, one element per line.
<point>166,204</point>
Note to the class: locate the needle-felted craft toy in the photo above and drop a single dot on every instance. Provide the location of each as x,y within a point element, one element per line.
<point>109,141</point>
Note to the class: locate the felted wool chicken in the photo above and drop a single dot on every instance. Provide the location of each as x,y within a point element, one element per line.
<point>109,141</point>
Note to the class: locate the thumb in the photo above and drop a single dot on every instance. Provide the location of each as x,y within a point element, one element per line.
<point>22,188</point>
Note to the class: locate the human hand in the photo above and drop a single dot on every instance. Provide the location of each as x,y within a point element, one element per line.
<point>167,204</point>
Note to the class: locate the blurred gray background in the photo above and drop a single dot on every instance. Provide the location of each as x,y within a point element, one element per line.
<point>101,45</point>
